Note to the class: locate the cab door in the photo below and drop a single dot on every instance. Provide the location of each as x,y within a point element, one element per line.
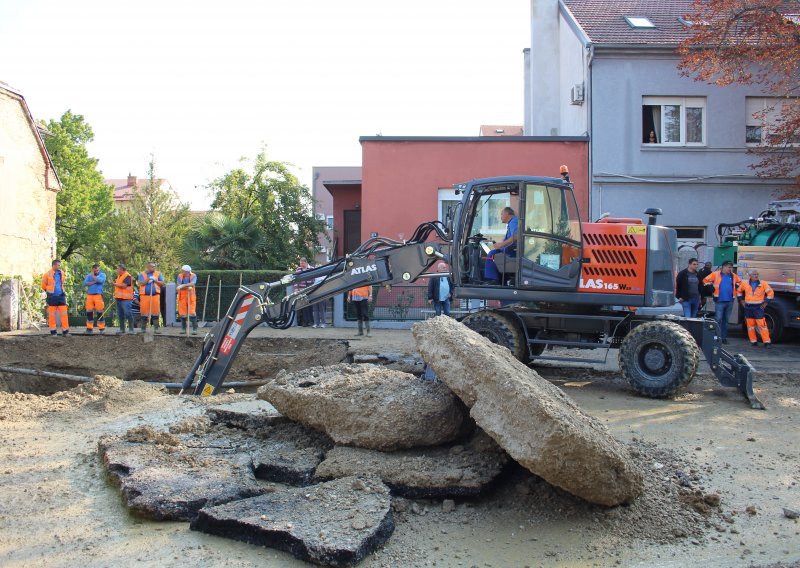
<point>550,238</point>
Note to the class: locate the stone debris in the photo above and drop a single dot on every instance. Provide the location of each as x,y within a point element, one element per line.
<point>245,415</point>
<point>535,422</point>
<point>286,452</point>
<point>454,471</point>
<point>337,523</point>
<point>167,477</point>
<point>367,406</point>
<point>791,513</point>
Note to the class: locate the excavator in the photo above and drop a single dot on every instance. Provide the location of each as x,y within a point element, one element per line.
<point>561,283</point>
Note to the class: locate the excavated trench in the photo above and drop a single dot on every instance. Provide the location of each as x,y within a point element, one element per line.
<point>167,359</point>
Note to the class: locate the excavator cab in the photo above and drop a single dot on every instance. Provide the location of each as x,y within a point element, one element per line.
<point>541,218</point>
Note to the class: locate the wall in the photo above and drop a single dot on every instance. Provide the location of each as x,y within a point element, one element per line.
<point>402,176</point>
<point>572,55</point>
<point>324,200</point>
<point>346,199</point>
<point>27,218</point>
<point>695,186</point>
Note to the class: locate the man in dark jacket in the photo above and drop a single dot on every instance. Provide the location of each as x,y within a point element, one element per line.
<point>687,289</point>
<point>440,291</point>
<point>705,290</point>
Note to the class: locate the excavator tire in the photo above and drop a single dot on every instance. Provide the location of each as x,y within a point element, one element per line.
<point>500,329</point>
<point>659,357</point>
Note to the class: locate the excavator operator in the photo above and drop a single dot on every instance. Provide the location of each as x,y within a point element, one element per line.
<point>507,246</point>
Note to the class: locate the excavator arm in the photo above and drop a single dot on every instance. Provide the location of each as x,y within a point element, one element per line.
<point>377,261</point>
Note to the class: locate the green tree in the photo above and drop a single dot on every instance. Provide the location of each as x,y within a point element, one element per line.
<point>151,227</point>
<point>84,205</point>
<point>217,241</point>
<point>279,204</point>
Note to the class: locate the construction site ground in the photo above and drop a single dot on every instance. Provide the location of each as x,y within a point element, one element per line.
<point>57,507</point>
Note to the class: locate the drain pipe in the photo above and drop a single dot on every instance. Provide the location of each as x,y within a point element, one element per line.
<point>83,379</point>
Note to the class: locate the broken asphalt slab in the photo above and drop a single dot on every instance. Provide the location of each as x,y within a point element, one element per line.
<point>287,452</point>
<point>368,406</point>
<point>422,473</point>
<point>532,420</point>
<point>336,523</point>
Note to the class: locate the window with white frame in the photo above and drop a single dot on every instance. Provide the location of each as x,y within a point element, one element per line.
<point>690,234</point>
<point>674,121</point>
<point>762,114</point>
<point>447,201</point>
<point>329,222</point>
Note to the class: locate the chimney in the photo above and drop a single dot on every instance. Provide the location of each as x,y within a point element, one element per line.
<point>131,180</point>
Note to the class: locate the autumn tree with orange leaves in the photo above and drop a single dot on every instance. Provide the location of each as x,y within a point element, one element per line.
<point>754,42</point>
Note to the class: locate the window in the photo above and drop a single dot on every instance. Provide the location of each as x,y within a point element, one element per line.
<point>329,222</point>
<point>639,22</point>
<point>691,234</point>
<point>447,201</point>
<point>762,115</point>
<point>674,121</point>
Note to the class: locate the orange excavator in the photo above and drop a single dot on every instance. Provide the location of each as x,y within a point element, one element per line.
<point>558,282</point>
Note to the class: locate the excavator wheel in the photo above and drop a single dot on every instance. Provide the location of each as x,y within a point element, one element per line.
<point>500,329</point>
<point>658,357</point>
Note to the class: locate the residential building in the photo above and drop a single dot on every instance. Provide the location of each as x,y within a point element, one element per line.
<point>125,188</point>
<point>343,221</point>
<point>500,130</point>
<point>28,189</point>
<point>608,69</point>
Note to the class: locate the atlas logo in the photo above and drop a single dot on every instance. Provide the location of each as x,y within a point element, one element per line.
<point>364,269</point>
<point>599,284</point>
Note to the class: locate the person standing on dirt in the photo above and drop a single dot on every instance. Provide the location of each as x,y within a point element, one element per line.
<point>95,307</point>
<point>53,284</point>
<point>187,297</point>
<point>440,291</point>
<point>687,289</point>
<point>151,281</point>
<point>754,295</point>
<point>360,298</point>
<point>123,295</point>
<point>726,286</point>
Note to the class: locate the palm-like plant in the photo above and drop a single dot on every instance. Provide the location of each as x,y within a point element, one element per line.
<point>220,242</point>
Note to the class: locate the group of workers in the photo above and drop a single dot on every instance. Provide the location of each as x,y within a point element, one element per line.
<point>753,295</point>
<point>150,282</point>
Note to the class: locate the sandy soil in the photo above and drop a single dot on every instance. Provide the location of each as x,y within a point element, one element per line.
<point>58,509</point>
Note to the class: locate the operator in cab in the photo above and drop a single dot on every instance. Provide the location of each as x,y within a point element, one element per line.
<point>507,246</point>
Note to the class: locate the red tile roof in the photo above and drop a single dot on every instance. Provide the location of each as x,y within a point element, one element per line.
<point>124,189</point>
<point>604,20</point>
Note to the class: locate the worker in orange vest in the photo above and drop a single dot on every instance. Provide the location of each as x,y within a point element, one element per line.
<point>151,281</point>
<point>754,295</point>
<point>53,283</point>
<point>360,298</point>
<point>726,284</point>
<point>95,307</point>
<point>187,297</point>
<point>123,294</point>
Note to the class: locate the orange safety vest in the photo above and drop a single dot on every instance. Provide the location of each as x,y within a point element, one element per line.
<point>143,284</point>
<point>362,292</point>
<point>49,281</point>
<point>757,295</point>
<point>183,292</point>
<point>125,293</point>
<point>716,277</point>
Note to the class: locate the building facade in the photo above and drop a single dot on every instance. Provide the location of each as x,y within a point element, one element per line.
<point>28,189</point>
<point>612,74</point>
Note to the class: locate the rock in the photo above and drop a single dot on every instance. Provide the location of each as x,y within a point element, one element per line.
<point>163,480</point>
<point>191,425</point>
<point>448,506</point>
<point>246,414</point>
<point>286,452</point>
<point>367,406</point>
<point>423,473</point>
<point>535,422</point>
<point>791,513</point>
<point>330,524</point>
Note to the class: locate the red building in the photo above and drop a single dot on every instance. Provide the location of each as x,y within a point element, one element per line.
<point>408,180</point>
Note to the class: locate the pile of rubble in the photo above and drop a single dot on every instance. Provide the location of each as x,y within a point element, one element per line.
<point>314,471</point>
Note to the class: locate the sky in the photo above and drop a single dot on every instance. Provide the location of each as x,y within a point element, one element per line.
<point>202,84</point>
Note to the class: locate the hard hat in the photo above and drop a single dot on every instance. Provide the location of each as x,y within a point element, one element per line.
<point>186,268</point>
<point>564,169</point>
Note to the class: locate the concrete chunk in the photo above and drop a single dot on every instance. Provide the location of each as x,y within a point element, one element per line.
<point>367,406</point>
<point>334,524</point>
<point>288,452</point>
<point>422,473</point>
<point>535,422</point>
<point>163,477</point>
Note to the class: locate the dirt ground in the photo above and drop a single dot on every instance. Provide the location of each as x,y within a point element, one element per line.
<point>58,509</point>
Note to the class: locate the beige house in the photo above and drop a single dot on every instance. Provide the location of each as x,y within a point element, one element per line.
<point>28,188</point>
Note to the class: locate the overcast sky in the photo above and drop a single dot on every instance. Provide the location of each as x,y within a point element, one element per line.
<point>201,84</point>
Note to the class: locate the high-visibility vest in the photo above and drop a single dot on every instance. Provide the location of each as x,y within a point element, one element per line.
<point>360,293</point>
<point>125,293</point>
<point>755,295</point>
<point>143,284</point>
<point>183,292</point>
<point>49,281</point>
<point>716,277</point>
